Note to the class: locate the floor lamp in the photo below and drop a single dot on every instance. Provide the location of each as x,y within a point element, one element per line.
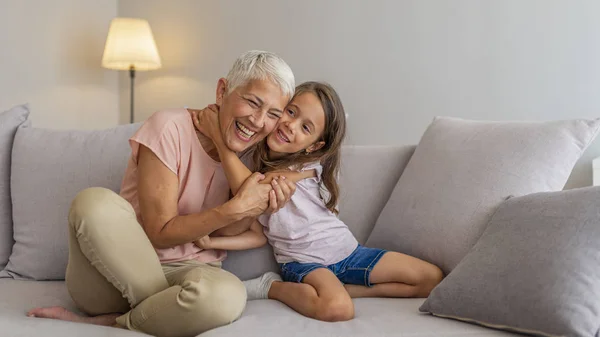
<point>130,46</point>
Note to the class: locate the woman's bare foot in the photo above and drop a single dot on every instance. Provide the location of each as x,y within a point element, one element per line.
<point>63,314</point>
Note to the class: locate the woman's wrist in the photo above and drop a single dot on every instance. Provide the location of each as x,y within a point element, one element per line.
<point>234,209</point>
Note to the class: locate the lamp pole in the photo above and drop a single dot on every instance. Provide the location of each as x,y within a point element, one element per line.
<point>132,78</point>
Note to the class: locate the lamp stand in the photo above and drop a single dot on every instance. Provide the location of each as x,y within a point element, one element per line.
<point>131,77</point>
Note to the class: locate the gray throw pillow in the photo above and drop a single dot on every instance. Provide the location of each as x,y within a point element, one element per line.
<point>534,269</point>
<point>10,120</point>
<point>462,170</point>
<point>49,167</point>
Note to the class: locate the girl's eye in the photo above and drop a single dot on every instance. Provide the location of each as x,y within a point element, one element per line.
<point>291,112</point>
<point>306,128</point>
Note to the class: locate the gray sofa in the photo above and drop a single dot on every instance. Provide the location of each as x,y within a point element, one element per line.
<point>47,168</point>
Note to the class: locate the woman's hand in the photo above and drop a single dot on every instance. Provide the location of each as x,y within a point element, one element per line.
<point>207,121</point>
<point>204,242</point>
<point>252,199</point>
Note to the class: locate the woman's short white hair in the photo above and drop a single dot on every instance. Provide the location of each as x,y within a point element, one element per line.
<point>261,65</point>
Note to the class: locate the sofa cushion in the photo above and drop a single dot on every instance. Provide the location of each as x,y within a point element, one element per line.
<point>10,120</point>
<point>373,317</point>
<point>18,297</point>
<point>462,170</point>
<point>535,268</point>
<point>49,167</point>
<point>367,176</point>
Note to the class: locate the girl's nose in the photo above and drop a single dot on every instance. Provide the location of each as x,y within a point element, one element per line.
<point>289,127</point>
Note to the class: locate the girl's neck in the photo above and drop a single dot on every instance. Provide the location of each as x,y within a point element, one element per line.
<point>272,155</point>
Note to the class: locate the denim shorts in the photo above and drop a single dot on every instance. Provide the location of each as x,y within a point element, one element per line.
<point>355,269</point>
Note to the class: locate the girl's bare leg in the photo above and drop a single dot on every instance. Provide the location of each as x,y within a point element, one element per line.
<point>399,275</point>
<point>322,296</point>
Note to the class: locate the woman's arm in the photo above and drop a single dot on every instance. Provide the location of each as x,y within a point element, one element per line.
<point>252,238</point>
<point>158,196</point>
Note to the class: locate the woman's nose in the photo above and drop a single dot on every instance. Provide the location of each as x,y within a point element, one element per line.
<point>257,119</point>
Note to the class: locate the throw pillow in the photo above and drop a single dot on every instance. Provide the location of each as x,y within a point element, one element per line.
<point>534,270</point>
<point>49,167</point>
<point>462,170</point>
<point>10,120</point>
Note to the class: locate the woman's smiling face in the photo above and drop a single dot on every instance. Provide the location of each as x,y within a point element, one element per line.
<point>249,112</point>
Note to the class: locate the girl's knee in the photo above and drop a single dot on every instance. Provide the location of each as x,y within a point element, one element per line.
<point>335,310</point>
<point>429,279</point>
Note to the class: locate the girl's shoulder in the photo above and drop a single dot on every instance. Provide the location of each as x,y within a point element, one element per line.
<point>310,166</point>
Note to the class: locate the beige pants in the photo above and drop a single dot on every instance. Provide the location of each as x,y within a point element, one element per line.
<point>113,268</point>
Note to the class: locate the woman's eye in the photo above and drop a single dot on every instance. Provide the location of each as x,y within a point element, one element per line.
<point>274,115</point>
<point>254,104</point>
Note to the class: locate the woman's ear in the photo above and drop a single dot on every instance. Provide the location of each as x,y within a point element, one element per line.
<point>221,90</point>
<point>316,146</point>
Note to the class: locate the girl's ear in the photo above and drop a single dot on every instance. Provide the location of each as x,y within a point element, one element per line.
<point>221,91</point>
<point>316,146</point>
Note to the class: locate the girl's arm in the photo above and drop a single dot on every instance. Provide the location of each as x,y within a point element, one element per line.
<point>206,121</point>
<point>252,238</point>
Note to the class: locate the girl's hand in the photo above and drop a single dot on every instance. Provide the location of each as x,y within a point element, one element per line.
<point>204,242</point>
<point>207,121</point>
<point>282,192</point>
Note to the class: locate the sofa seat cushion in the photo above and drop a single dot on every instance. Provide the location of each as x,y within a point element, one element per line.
<point>374,317</point>
<point>17,297</point>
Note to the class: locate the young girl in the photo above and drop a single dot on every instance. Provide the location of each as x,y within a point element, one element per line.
<point>322,264</point>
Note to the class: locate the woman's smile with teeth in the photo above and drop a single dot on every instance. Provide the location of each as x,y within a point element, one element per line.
<point>244,131</point>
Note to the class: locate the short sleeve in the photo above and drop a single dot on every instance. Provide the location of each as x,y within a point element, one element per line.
<point>263,219</point>
<point>314,166</point>
<point>160,134</point>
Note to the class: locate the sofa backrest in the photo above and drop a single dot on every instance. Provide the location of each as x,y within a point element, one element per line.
<point>50,167</point>
<point>10,121</point>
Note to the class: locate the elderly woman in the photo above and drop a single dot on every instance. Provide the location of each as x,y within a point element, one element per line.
<point>132,260</point>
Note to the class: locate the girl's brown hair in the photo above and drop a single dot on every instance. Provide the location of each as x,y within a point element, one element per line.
<point>328,155</point>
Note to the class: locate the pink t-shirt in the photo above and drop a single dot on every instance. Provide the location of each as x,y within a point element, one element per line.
<point>170,134</point>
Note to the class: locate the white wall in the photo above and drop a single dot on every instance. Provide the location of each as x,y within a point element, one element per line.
<point>396,63</point>
<point>50,57</point>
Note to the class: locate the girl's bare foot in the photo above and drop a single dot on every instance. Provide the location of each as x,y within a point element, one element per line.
<point>63,314</point>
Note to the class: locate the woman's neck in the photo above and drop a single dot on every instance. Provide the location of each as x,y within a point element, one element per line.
<point>208,145</point>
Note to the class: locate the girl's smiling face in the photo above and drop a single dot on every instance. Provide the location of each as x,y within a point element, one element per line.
<point>300,128</point>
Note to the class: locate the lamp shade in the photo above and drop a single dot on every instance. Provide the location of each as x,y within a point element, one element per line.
<point>130,43</point>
